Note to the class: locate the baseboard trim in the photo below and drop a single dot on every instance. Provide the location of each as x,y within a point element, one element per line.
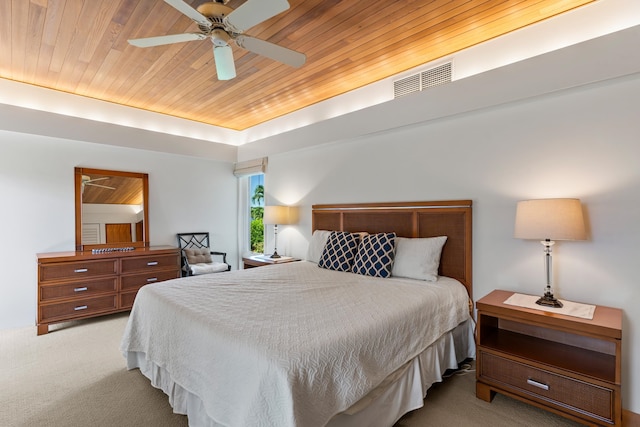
<point>630,419</point>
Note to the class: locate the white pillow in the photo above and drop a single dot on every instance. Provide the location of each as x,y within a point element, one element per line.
<point>418,258</point>
<point>316,246</point>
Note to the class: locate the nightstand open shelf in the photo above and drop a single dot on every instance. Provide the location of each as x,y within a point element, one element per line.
<point>579,360</point>
<point>568,365</point>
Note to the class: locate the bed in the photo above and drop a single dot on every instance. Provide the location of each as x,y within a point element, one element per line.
<point>299,345</point>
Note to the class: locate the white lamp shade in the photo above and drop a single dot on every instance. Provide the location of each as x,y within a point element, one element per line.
<point>278,215</point>
<point>554,219</point>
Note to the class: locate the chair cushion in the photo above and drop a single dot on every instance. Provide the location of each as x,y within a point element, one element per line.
<point>213,267</point>
<point>198,255</point>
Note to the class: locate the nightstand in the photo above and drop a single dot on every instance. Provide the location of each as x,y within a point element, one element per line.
<point>262,260</point>
<point>565,364</point>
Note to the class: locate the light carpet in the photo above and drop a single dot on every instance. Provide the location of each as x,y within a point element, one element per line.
<point>76,376</point>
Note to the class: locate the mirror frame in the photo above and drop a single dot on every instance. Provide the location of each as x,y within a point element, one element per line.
<point>78,200</point>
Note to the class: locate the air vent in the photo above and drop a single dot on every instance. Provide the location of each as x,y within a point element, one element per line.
<point>406,86</point>
<point>432,77</point>
<point>436,76</point>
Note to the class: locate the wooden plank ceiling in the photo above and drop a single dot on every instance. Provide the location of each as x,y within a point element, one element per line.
<point>80,47</point>
<point>115,190</point>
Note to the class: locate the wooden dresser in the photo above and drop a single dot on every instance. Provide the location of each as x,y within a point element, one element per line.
<point>567,365</point>
<point>78,285</point>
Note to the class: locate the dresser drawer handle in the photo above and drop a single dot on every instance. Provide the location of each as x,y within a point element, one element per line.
<point>538,384</point>
<point>81,307</point>
<point>82,289</point>
<point>80,270</point>
<point>152,263</point>
<point>152,279</point>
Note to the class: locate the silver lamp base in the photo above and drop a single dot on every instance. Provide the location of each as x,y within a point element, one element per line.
<point>548,300</point>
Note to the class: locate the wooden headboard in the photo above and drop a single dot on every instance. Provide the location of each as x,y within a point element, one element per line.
<point>451,218</point>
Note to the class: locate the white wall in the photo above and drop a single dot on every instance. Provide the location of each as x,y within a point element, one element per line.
<point>582,142</point>
<point>37,215</point>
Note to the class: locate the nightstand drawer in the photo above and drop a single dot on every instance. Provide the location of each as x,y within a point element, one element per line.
<point>565,392</point>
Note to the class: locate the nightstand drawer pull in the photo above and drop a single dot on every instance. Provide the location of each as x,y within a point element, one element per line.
<point>152,263</point>
<point>152,279</point>
<point>82,307</point>
<point>537,384</point>
<point>82,289</point>
<point>80,270</point>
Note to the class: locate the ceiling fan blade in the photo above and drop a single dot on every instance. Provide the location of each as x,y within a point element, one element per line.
<point>185,9</point>
<point>225,66</point>
<point>94,179</point>
<point>101,186</point>
<point>161,40</point>
<point>253,12</point>
<point>273,51</point>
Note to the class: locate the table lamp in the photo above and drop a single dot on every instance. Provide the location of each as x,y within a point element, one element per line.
<point>548,220</point>
<point>276,215</point>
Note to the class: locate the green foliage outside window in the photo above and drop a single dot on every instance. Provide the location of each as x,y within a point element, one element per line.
<point>257,227</point>
<point>257,235</point>
<point>258,195</point>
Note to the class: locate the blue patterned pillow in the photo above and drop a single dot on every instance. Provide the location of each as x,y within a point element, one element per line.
<point>339,251</point>
<point>375,255</point>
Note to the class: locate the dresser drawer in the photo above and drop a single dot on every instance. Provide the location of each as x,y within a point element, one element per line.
<point>77,270</point>
<point>126,299</point>
<point>79,308</point>
<point>134,282</point>
<point>81,289</point>
<point>562,391</point>
<point>130,285</point>
<point>146,263</point>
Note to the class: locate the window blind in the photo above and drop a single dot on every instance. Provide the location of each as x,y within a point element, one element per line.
<point>250,167</point>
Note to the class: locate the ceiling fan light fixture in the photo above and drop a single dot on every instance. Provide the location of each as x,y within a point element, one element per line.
<point>225,68</point>
<point>221,24</point>
<point>220,37</point>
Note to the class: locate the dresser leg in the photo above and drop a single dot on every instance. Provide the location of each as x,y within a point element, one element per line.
<point>43,328</point>
<point>483,392</point>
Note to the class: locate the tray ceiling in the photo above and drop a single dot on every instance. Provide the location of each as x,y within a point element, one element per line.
<point>81,47</point>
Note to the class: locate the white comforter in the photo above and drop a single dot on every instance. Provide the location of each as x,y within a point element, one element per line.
<point>287,345</point>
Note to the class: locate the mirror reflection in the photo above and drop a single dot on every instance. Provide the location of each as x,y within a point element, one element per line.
<point>112,208</point>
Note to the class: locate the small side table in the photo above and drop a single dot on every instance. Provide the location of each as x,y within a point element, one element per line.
<point>567,365</point>
<point>262,260</point>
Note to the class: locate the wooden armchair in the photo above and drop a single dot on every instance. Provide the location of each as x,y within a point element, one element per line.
<point>197,256</point>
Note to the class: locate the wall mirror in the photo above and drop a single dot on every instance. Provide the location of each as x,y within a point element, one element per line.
<point>112,209</point>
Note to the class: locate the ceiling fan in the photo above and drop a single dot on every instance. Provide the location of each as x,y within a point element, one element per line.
<point>86,180</point>
<point>220,23</point>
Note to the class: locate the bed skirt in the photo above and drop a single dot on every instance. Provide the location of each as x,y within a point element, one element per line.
<point>402,392</point>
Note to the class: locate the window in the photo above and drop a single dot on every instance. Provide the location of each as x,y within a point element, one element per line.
<point>256,202</point>
<point>250,175</point>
